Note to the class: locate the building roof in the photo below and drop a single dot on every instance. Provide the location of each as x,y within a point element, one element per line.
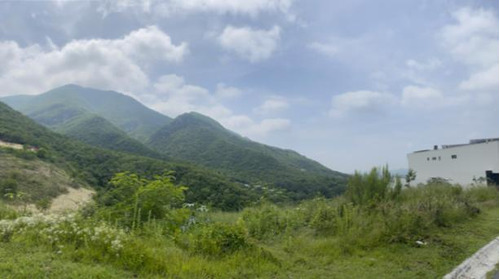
<point>472,141</point>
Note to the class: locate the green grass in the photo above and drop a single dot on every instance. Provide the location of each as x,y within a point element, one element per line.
<point>310,257</point>
<point>18,260</point>
<point>297,251</point>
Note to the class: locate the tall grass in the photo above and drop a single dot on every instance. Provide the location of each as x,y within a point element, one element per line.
<point>257,241</point>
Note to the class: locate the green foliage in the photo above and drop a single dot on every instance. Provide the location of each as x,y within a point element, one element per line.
<point>8,186</point>
<point>333,218</point>
<point>133,200</point>
<point>309,240</point>
<point>368,188</point>
<point>268,221</point>
<point>43,204</point>
<point>97,131</point>
<point>59,105</point>
<point>107,119</point>
<point>201,140</point>
<point>96,166</point>
<point>219,239</point>
<point>7,212</point>
<point>410,176</point>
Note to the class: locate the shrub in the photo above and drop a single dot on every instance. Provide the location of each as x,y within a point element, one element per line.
<point>219,239</point>
<point>134,200</point>
<point>370,188</point>
<point>333,218</point>
<point>267,221</point>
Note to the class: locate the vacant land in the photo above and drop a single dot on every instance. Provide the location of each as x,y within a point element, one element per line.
<point>422,233</point>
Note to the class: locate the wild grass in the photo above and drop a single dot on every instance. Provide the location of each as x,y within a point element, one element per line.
<point>421,232</point>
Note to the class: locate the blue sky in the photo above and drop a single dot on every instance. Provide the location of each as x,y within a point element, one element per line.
<point>351,84</point>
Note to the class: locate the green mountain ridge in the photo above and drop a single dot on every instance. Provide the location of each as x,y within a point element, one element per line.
<point>97,131</point>
<point>95,166</point>
<point>201,140</point>
<point>58,105</point>
<point>114,121</point>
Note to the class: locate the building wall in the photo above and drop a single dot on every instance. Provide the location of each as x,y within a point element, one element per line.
<point>460,164</point>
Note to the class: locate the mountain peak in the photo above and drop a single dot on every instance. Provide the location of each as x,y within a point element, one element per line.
<point>69,86</point>
<point>198,118</point>
<point>123,111</point>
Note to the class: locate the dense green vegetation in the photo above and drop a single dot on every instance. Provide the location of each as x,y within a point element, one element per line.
<point>199,139</point>
<point>106,119</point>
<point>420,232</point>
<point>96,166</point>
<point>65,103</point>
<point>97,131</point>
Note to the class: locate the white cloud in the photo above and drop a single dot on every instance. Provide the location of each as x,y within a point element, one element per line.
<point>364,102</point>
<point>119,64</point>
<point>346,48</point>
<point>227,92</point>
<point>171,7</point>
<point>173,96</point>
<point>327,49</point>
<point>429,65</point>
<point>151,44</point>
<point>272,105</point>
<point>253,45</point>
<point>421,71</point>
<point>474,38</point>
<point>246,126</point>
<point>422,97</point>
<point>482,80</point>
<point>473,41</point>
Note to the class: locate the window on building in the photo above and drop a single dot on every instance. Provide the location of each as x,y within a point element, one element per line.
<point>439,158</point>
<point>453,156</point>
<point>428,159</point>
<point>433,158</point>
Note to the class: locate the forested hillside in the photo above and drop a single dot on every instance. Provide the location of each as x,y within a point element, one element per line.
<point>96,166</point>
<point>114,121</point>
<point>55,107</point>
<point>97,131</point>
<point>199,139</point>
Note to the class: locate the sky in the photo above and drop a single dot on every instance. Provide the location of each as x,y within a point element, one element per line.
<point>351,84</point>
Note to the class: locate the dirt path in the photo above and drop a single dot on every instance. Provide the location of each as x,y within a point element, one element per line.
<point>71,200</point>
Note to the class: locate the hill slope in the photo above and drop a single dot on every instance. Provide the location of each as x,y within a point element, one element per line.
<point>97,131</point>
<point>57,106</point>
<point>199,139</point>
<point>96,166</point>
<point>89,115</point>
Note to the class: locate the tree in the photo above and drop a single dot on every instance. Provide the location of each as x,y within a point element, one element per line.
<point>410,176</point>
<point>371,187</point>
<point>133,200</point>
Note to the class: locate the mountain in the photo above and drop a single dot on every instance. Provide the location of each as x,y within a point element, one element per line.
<point>199,139</point>
<point>95,166</point>
<point>97,131</point>
<point>71,102</point>
<point>106,118</point>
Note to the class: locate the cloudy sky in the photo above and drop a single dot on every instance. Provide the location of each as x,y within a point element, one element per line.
<point>351,84</point>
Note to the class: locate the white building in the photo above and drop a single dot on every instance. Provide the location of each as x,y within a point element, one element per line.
<point>459,163</point>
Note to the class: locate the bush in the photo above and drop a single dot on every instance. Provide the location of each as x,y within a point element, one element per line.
<point>333,218</point>
<point>268,221</point>
<point>370,188</point>
<point>8,186</point>
<point>219,239</point>
<point>133,200</point>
